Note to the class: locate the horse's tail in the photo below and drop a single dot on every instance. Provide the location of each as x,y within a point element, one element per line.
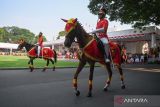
<point>55,56</point>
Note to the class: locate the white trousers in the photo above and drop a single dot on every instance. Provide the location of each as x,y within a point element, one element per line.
<point>106,47</point>
<point>38,50</point>
<point>104,40</point>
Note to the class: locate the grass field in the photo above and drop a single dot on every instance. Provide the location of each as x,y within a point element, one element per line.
<point>22,62</point>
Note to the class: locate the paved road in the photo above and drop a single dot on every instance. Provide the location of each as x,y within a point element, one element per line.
<point>21,88</point>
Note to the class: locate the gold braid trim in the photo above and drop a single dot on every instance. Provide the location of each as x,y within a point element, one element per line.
<point>74,81</point>
<point>89,56</point>
<point>90,82</point>
<point>89,43</point>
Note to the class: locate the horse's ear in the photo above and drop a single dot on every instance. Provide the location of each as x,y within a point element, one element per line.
<point>17,41</point>
<point>21,40</point>
<point>64,20</point>
<point>75,20</point>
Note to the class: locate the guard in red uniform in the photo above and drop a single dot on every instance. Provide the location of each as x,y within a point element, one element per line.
<point>103,24</point>
<point>124,54</point>
<point>40,42</point>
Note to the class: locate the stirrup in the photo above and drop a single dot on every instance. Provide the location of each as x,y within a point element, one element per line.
<point>107,60</point>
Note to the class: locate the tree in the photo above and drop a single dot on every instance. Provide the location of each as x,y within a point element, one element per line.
<point>13,34</point>
<point>61,34</point>
<point>4,35</point>
<point>136,12</point>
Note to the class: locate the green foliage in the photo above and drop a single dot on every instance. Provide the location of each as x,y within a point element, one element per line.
<point>3,35</point>
<point>136,12</point>
<point>13,34</point>
<point>60,34</point>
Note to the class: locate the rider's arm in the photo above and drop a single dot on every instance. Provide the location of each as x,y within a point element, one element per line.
<point>105,25</point>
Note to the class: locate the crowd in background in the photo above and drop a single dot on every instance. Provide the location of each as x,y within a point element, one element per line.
<point>152,56</point>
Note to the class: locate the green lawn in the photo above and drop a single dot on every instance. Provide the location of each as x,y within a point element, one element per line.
<point>22,62</point>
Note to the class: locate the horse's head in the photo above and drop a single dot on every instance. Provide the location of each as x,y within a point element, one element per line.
<point>70,29</point>
<point>21,43</point>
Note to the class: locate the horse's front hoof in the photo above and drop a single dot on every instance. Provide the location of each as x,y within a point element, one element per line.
<point>53,68</point>
<point>105,89</point>
<point>77,93</point>
<point>89,94</point>
<point>31,69</point>
<point>44,69</point>
<point>123,87</point>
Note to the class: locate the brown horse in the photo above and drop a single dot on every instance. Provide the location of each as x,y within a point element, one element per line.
<point>75,30</point>
<point>46,53</point>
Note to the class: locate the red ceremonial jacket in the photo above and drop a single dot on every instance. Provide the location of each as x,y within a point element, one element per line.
<point>40,41</point>
<point>102,23</point>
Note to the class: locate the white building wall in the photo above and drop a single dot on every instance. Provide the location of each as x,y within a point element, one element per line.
<point>130,47</point>
<point>136,47</point>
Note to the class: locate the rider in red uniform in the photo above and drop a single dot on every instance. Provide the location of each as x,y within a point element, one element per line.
<point>103,23</point>
<point>40,42</point>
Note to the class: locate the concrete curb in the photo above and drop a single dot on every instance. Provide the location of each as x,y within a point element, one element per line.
<point>34,68</point>
<point>39,68</point>
<point>123,65</point>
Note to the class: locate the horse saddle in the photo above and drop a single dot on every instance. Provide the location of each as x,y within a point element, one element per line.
<point>95,50</point>
<point>45,52</point>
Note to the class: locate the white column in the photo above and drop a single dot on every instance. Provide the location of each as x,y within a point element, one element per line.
<point>52,46</point>
<point>153,40</point>
<point>10,51</point>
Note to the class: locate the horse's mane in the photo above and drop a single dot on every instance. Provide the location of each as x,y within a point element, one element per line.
<point>82,31</point>
<point>81,27</point>
<point>29,44</point>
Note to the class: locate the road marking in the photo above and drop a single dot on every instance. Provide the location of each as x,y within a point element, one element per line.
<point>144,69</point>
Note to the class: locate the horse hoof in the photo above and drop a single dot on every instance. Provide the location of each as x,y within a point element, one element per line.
<point>53,68</point>
<point>89,94</point>
<point>77,93</point>
<point>44,69</point>
<point>31,69</point>
<point>105,89</point>
<point>123,87</point>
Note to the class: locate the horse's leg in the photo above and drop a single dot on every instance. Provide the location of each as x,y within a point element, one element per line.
<point>53,64</point>
<point>109,78</point>
<point>80,66</point>
<point>90,79</point>
<point>121,76</point>
<point>31,66</point>
<point>44,69</point>
<point>29,63</point>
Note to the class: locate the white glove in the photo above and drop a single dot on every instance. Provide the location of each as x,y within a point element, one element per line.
<point>97,31</point>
